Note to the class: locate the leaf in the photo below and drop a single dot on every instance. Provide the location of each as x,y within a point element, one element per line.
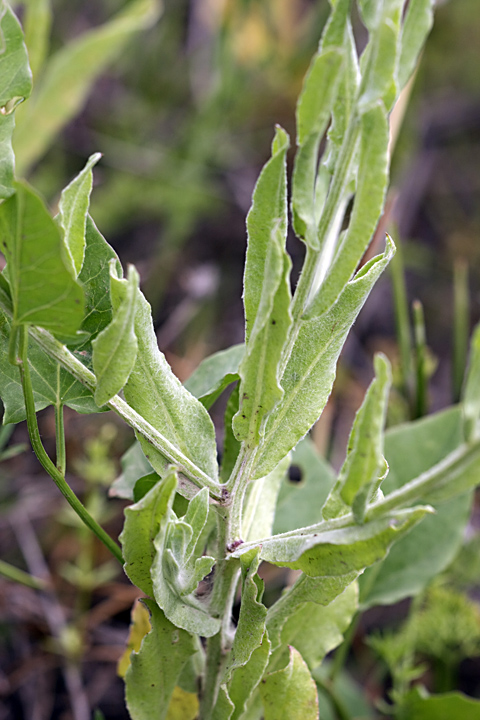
<point>7,158</point>
<point>319,550</point>
<point>139,627</point>
<point>43,290</point>
<point>15,75</point>
<point>37,21</point>
<point>134,466</point>
<point>261,501</point>
<point>176,570</point>
<point>420,706</point>
<point>416,26</point>
<point>372,182</point>
<point>314,630</point>
<point>305,592</point>
<point>417,558</point>
<point>300,503</point>
<point>224,707</point>
<point>267,297</point>
<point>142,524</point>
<point>73,210</point>
<point>364,466</point>
<point>152,676</point>
<point>471,391</point>
<point>183,705</point>
<point>291,692</point>
<point>246,678</point>
<point>69,76</point>
<point>52,385</point>
<point>310,371</point>
<point>214,374</point>
<point>154,392</point>
<point>115,348</point>
<point>231,446</point>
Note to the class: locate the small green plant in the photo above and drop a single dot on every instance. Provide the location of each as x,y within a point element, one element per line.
<point>75,332</point>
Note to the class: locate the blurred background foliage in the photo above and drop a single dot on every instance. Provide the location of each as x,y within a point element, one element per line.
<point>183,110</point>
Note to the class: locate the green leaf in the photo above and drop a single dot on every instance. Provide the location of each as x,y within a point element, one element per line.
<point>299,503</point>
<point>15,75</point>
<point>323,550</point>
<point>267,296</point>
<point>259,507</point>
<point>231,446</point>
<point>69,76</point>
<point>142,524</point>
<point>115,348</point>
<point>246,678</point>
<point>214,374</point>
<point>176,570</point>
<point>416,26</point>
<point>418,705</point>
<point>364,467</point>
<point>37,21</point>
<point>310,371</point>
<point>43,290</point>
<point>183,705</point>
<point>7,158</point>
<point>291,692</point>
<point>305,592</point>
<point>154,392</point>
<point>52,385</point>
<point>73,210</point>
<point>224,707</point>
<point>369,198</point>
<point>154,670</point>
<point>314,630</point>
<point>417,558</point>
<point>134,466</point>
<point>471,392</point>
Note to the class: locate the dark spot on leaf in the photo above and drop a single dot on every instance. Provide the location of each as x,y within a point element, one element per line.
<point>274,322</point>
<point>295,474</point>
<point>244,417</point>
<point>245,396</point>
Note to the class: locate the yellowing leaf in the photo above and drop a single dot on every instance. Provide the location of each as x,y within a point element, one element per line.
<point>183,705</point>
<point>139,627</point>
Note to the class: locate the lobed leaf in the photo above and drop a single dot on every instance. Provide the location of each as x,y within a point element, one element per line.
<point>70,74</point>
<point>115,348</point>
<point>214,374</point>
<point>73,210</point>
<point>310,371</point>
<point>291,692</point>
<point>43,290</point>
<point>152,676</point>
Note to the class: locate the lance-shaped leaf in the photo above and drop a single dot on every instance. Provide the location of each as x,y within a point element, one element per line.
<point>142,524</point>
<point>69,76</point>
<point>291,692</point>
<point>115,348</point>
<point>37,21</point>
<point>245,679</point>
<point>471,392</point>
<point>177,570</point>
<point>380,57</point>
<point>224,707</point>
<point>7,158</point>
<point>310,371</point>
<point>214,374</point>
<point>315,630</point>
<point>73,209</point>
<point>43,290</point>
<point>320,550</point>
<point>364,466</point>
<point>416,26</point>
<point>369,198</point>
<point>154,391</point>
<point>139,627</point>
<point>261,501</point>
<point>267,296</point>
<point>154,670</point>
<point>306,591</point>
<point>231,446</point>
<point>183,705</point>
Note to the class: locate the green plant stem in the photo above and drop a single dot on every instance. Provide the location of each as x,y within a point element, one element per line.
<point>341,654</point>
<point>19,576</point>
<point>402,322</point>
<point>421,406</point>
<point>45,461</point>
<point>237,487</point>
<point>60,432</point>
<point>461,321</point>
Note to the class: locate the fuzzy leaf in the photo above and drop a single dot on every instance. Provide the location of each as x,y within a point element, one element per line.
<point>152,676</point>
<point>310,371</point>
<point>416,26</point>
<point>69,76</point>
<point>73,210</point>
<point>231,446</point>
<point>7,158</point>
<point>115,348</point>
<point>214,374</point>
<point>291,692</point>
<point>134,466</point>
<point>154,391</point>
<point>322,551</point>
<point>183,705</point>
<point>15,75</point>
<point>142,524</point>
<point>176,571</point>
<point>259,508</point>
<point>139,627</point>
<point>364,467</point>
<point>267,296</point>
<point>43,290</point>
<point>246,678</point>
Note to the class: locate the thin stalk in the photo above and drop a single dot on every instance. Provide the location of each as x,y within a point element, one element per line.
<point>237,487</point>
<point>461,322</point>
<point>421,404</point>
<point>20,576</point>
<point>402,321</point>
<point>60,431</point>
<point>341,653</point>
<point>45,461</point>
